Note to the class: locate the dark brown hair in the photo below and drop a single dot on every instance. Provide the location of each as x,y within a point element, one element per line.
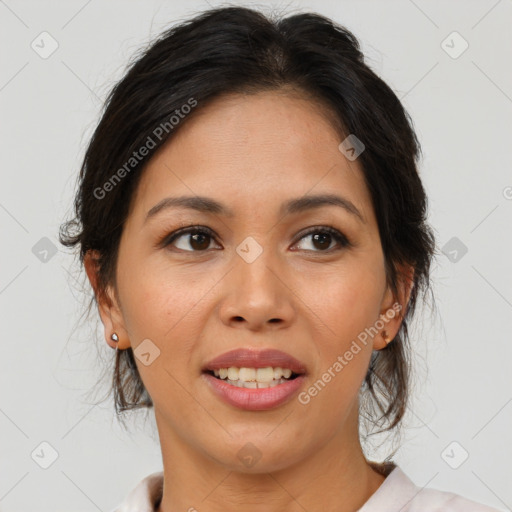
<point>239,50</point>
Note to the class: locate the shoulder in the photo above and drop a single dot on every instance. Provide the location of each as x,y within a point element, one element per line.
<point>398,492</point>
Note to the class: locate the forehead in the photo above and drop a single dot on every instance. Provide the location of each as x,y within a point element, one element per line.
<point>252,150</point>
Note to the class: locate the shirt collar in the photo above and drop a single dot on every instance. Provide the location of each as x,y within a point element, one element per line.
<point>146,496</point>
<point>394,493</point>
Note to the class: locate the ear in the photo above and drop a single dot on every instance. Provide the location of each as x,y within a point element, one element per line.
<point>108,308</point>
<point>393,307</point>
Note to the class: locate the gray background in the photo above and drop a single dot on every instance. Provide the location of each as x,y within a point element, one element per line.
<point>461,108</point>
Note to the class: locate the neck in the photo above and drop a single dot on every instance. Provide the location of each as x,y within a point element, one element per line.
<point>334,476</point>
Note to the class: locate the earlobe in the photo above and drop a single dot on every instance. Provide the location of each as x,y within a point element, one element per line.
<point>385,336</point>
<point>385,325</point>
<point>110,314</point>
<point>391,317</point>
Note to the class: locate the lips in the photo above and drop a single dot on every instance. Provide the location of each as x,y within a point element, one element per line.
<point>254,358</point>
<point>254,399</point>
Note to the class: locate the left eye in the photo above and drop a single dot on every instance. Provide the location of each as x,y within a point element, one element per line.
<point>324,239</point>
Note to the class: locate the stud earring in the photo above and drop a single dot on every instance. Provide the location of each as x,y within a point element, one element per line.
<point>114,337</point>
<point>385,337</point>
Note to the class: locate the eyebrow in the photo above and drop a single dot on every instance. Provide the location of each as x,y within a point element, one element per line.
<point>316,201</point>
<point>301,204</point>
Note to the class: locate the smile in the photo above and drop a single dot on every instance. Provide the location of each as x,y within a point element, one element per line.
<point>261,391</point>
<point>255,378</point>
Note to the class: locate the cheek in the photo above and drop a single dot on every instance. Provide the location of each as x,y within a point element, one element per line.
<point>347,300</point>
<point>159,297</point>
<point>348,305</point>
<point>165,308</point>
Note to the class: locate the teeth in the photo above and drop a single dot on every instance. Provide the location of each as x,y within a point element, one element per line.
<point>263,377</point>
<point>255,385</point>
<point>263,374</point>
<point>248,374</point>
<point>233,373</point>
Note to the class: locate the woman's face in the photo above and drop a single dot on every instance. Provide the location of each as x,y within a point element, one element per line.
<point>256,276</point>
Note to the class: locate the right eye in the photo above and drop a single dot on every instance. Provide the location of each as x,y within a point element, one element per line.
<point>190,239</point>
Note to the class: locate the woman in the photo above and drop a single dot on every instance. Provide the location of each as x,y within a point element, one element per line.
<point>252,222</point>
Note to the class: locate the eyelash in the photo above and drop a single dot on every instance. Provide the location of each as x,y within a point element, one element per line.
<point>340,238</point>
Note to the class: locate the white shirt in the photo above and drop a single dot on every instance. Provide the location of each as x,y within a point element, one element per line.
<point>396,494</point>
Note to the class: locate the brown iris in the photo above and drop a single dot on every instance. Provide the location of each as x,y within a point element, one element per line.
<point>323,239</point>
<point>199,241</point>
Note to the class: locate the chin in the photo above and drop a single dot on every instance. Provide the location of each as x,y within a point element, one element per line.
<point>256,453</point>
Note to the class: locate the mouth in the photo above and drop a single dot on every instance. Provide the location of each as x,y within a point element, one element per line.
<point>254,378</point>
<point>253,395</point>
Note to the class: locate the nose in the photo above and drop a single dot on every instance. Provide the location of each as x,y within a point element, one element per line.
<point>256,296</point>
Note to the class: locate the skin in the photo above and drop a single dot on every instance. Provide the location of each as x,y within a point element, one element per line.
<point>252,153</point>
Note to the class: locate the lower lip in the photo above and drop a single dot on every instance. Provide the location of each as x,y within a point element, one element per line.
<point>254,399</point>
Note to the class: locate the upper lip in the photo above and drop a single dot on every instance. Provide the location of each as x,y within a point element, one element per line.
<point>253,358</point>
